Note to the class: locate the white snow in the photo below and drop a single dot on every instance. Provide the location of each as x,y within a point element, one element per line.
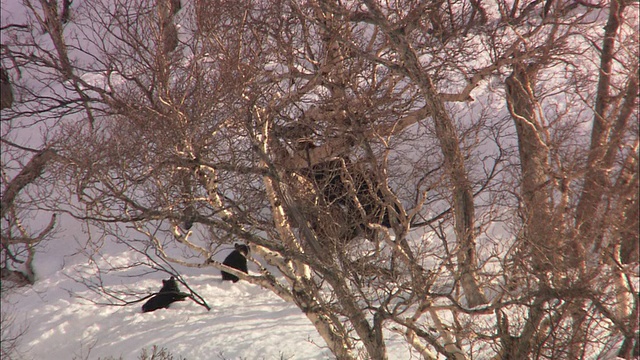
<point>245,321</point>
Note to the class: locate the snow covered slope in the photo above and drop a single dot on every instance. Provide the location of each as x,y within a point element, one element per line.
<point>245,322</point>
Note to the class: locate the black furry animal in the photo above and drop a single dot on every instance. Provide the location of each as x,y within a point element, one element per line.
<point>168,294</point>
<point>237,260</point>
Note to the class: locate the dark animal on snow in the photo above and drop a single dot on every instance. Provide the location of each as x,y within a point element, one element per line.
<point>237,260</point>
<point>169,293</point>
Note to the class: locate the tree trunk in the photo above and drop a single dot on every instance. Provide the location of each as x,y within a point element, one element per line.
<point>29,174</point>
<point>463,206</point>
<point>6,91</point>
<point>539,235</point>
<point>595,179</point>
<point>306,298</point>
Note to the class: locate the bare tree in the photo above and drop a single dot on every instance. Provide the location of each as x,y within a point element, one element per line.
<point>462,173</point>
<point>22,168</point>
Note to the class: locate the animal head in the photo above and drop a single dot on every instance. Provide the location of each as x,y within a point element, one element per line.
<point>170,285</point>
<point>241,248</point>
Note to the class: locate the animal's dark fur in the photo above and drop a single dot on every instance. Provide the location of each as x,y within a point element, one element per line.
<point>237,260</point>
<point>168,294</point>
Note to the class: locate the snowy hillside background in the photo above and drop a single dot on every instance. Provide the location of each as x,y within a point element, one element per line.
<point>245,322</point>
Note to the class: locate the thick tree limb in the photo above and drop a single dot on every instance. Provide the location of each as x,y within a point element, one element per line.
<point>31,171</point>
<point>595,177</point>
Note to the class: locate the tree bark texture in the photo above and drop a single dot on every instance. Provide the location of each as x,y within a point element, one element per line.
<point>539,235</point>
<point>598,164</point>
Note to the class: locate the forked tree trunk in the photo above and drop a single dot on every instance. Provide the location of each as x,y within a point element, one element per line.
<point>612,114</point>
<point>463,206</point>
<point>611,119</point>
<point>331,331</point>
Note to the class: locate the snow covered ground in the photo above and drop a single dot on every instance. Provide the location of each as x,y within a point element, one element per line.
<point>245,321</point>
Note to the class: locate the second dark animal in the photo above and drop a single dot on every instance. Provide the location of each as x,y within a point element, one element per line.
<point>237,260</point>
<point>168,294</point>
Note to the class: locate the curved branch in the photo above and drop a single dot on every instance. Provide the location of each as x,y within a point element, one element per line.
<point>27,175</point>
